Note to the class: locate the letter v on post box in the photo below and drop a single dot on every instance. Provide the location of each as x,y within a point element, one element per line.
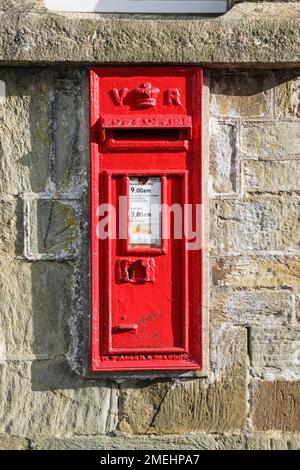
<point>146,218</point>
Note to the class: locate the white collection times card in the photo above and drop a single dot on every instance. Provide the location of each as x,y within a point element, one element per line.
<point>145,211</point>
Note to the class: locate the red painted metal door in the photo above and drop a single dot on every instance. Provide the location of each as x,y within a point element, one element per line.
<point>146,174</point>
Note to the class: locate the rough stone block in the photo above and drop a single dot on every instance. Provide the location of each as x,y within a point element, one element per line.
<point>21,5</point>
<point>288,95</point>
<point>257,307</point>
<point>241,94</point>
<point>247,34</point>
<point>25,131</point>
<point>34,315</point>
<point>223,158</point>
<point>272,441</point>
<point>272,176</point>
<point>279,140</point>
<point>13,443</point>
<point>268,225</point>
<point>11,227</point>
<point>123,441</point>
<point>69,129</point>
<point>231,442</point>
<point>275,352</point>
<point>256,272</point>
<point>46,398</point>
<point>258,441</point>
<point>276,405</point>
<point>215,405</point>
<point>194,441</point>
<point>54,227</point>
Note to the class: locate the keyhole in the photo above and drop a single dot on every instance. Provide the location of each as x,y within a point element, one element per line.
<point>130,273</point>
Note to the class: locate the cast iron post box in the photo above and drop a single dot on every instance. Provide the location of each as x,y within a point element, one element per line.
<point>145,192</point>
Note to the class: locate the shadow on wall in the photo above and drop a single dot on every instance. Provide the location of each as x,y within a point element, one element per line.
<point>47,296</point>
<point>24,144</point>
<point>60,286</point>
<point>258,82</point>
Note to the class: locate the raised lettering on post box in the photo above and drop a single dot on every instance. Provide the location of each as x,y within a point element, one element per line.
<point>146,218</point>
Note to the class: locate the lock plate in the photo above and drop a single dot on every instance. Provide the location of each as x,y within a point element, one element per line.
<point>135,271</point>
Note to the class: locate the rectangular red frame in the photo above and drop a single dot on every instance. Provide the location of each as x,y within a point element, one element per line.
<point>164,359</point>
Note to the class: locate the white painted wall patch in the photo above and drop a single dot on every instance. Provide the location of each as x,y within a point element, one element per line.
<point>2,352</point>
<point>2,92</point>
<point>138,6</point>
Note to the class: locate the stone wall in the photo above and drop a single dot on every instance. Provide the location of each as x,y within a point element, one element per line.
<point>250,398</point>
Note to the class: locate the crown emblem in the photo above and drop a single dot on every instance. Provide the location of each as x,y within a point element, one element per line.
<point>146,95</point>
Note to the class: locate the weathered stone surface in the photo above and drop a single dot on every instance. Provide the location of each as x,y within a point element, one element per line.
<point>46,398</point>
<point>257,307</point>
<point>258,441</point>
<point>291,442</point>
<point>272,441</point>
<point>69,129</point>
<point>21,5</point>
<point>123,441</point>
<point>288,96</point>
<point>277,406</point>
<point>232,442</point>
<point>2,349</point>
<point>223,158</point>
<point>272,176</point>
<point>71,38</point>
<point>194,441</point>
<point>257,272</point>
<point>54,227</point>
<point>11,227</point>
<point>268,225</point>
<point>253,441</point>
<point>139,405</point>
<point>272,141</point>
<point>13,443</point>
<point>34,316</point>
<point>24,131</point>
<point>275,352</point>
<point>241,94</point>
<point>214,405</point>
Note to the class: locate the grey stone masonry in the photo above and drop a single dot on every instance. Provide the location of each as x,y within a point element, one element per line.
<point>249,33</point>
<point>22,5</point>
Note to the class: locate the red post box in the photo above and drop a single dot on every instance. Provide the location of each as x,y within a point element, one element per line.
<point>145,200</point>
